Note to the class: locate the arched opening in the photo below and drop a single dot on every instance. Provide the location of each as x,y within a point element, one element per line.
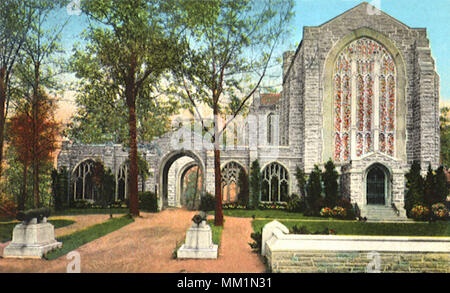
<point>82,181</point>
<point>172,167</point>
<point>190,185</point>
<point>230,180</point>
<point>377,185</point>
<point>275,183</point>
<point>122,182</point>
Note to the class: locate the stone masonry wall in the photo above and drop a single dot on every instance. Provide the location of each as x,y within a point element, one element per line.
<point>358,262</point>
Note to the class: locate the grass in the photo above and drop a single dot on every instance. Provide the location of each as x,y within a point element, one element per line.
<point>90,211</point>
<point>267,214</point>
<point>6,228</point>
<point>438,228</point>
<point>216,232</point>
<point>79,238</point>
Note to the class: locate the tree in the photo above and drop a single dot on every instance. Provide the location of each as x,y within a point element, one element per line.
<point>429,196</point>
<point>441,189</point>
<point>255,184</point>
<point>243,187</point>
<point>34,138</point>
<point>130,48</point>
<point>314,188</point>
<point>15,22</point>
<point>35,74</point>
<point>301,180</point>
<point>445,136</point>
<point>415,186</point>
<point>228,45</point>
<point>330,183</point>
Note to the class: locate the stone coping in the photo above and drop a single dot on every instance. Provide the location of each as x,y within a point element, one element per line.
<point>276,237</point>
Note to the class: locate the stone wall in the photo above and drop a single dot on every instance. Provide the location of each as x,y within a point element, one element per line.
<point>289,253</point>
<point>358,262</point>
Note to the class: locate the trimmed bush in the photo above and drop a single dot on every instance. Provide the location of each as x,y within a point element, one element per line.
<point>148,201</point>
<point>243,195</point>
<point>207,203</point>
<point>255,185</point>
<point>296,204</point>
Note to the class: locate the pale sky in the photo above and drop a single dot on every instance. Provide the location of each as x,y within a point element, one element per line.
<point>433,15</point>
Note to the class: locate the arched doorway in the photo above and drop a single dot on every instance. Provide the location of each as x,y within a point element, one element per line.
<point>172,185</point>
<point>376,185</point>
<point>230,177</point>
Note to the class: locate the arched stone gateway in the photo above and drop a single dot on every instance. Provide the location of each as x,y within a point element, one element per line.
<point>172,198</point>
<point>361,89</point>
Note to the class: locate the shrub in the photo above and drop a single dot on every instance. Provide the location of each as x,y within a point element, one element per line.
<point>330,183</point>
<point>296,204</point>
<point>419,212</point>
<point>299,230</point>
<point>314,189</point>
<point>272,206</point>
<point>255,185</point>
<point>243,196</point>
<point>8,209</point>
<point>82,204</point>
<point>326,212</point>
<point>439,211</point>
<point>256,245</point>
<point>301,180</point>
<point>415,185</point>
<point>207,203</point>
<point>339,212</point>
<point>148,201</point>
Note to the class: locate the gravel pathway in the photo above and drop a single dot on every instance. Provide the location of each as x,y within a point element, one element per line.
<point>146,246</point>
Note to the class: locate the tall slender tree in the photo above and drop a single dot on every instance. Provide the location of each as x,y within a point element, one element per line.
<point>132,45</point>
<point>229,45</point>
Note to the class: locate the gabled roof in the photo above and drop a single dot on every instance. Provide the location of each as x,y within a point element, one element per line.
<point>367,7</point>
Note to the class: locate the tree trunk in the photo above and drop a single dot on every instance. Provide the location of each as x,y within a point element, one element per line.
<point>218,219</point>
<point>2,114</point>
<point>133,179</point>
<point>23,197</point>
<point>35,114</point>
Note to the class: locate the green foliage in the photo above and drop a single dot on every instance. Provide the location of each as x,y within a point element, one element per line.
<point>304,230</point>
<point>255,184</point>
<point>148,201</point>
<point>429,197</point>
<point>415,186</point>
<point>441,189</point>
<point>296,204</point>
<point>314,190</point>
<point>256,245</point>
<point>301,180</point>
<point>330,183</point>
<point>445,136</point>
<point>243,187</point>
<point>60,185</point>
<point>207,203</point>
<point>191,192</point>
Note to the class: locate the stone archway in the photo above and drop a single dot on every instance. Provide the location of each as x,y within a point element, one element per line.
<point>174,183</point>
<point>377,185</point>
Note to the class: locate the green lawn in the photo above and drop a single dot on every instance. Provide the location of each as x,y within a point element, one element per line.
<point>79,238</point>
<point>439,228</point>
<point>216,232</point>
<point>6,228</point>
<point>265,214</point>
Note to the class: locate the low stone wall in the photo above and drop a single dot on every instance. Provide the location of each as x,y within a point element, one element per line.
<point>286,253</point>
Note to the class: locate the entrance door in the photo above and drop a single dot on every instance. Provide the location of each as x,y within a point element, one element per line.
<point>376,186</point>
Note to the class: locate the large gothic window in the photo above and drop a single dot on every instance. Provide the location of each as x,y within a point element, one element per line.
<point>122,182</point>
<point>230,175</point>
<point>275,183</point>
<point>364,100</point>
<point>82,181</point>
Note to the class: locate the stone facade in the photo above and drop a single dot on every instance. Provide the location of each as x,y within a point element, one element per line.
<point>304,116</point>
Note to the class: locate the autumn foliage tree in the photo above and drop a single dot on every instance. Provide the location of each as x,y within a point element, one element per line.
<point>34,138</point>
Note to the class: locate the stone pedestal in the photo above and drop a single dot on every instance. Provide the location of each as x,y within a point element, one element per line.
<point>31,240</point>
<point>198,243</point>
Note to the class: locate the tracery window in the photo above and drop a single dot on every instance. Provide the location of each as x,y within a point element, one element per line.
<point>275,183</point>
<point>364,100</point>
<point>270,129</point>
<point>82,181</point>
<point>230,176</point>
<point>122,182</point>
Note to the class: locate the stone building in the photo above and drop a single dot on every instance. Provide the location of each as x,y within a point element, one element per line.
<point>361,89</point>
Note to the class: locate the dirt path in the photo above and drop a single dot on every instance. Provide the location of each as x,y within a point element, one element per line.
<point>147,246</point>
